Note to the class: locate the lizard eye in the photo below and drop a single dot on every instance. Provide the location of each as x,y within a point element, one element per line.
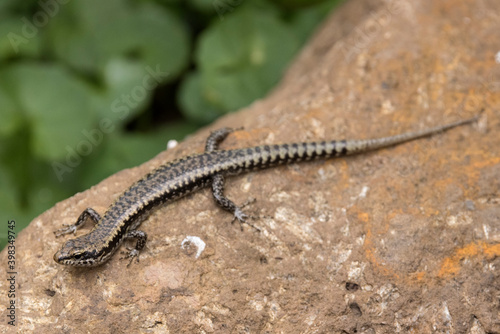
<point>77,256</point>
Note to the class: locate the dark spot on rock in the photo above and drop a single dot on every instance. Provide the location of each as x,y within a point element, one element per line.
<point>49,292</point>
<point>355,309</point>
<point>352,286</point>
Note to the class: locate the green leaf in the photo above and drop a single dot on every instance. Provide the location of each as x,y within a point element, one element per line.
<point>18,37</point>
<point>46,188</point>
<point>297,3</point>
<point>10,118</point>
<point>163,40</point>
<point>55,103</point>
<point>225,8</point>
<point>25,7</point>
<point>9,196</point>
<point>191,100</point>
<point>129,87</point>
<point>6,5</point>
<point>207,6</point>
<point>243,56</point>
<point>89,35</point>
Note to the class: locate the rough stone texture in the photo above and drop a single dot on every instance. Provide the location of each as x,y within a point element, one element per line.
<point>404,240</point>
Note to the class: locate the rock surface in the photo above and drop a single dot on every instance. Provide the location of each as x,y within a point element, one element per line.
<point>403,240</point>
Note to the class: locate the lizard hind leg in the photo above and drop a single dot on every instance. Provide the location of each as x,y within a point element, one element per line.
<point>228,205</point>
<point>212,144</point>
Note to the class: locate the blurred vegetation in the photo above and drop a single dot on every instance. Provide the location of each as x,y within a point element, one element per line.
<point>90,87</point>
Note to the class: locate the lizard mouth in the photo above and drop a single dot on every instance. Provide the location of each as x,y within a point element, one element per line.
<point>69,260</point>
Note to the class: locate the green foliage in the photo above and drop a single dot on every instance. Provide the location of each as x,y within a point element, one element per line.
<point>77,76</point>
<point>242,57</point>
<point>29,102</point>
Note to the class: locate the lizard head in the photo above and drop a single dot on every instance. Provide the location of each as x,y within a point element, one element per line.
<point>77,253</point>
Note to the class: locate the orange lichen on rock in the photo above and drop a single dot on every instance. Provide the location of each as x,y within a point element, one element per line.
<point>452,264</point>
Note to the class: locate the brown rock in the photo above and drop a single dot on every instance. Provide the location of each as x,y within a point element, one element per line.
<point>403,240</point>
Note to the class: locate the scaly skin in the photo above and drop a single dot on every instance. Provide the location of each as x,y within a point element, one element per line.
<point>178,178</point>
